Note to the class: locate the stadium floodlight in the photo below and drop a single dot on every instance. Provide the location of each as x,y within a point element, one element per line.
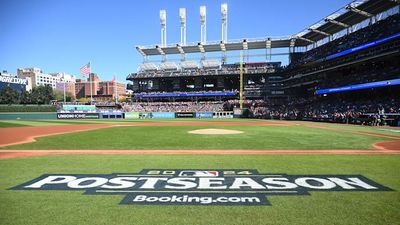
<point>203,22</point>
<point>203,13</point>
<point>163,23</point>
<point>224,16</point>
<point>182,19</point>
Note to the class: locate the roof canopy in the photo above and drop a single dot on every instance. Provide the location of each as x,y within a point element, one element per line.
<point>353,13</point>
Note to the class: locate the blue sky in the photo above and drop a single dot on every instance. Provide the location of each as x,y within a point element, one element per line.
<point>62,35</point>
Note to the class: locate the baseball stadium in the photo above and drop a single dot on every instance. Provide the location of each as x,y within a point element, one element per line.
<point>295,129</point>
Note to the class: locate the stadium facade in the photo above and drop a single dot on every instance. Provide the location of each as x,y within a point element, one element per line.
<point>350,56</point>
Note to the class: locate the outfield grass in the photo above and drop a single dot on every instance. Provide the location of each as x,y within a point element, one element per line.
<point>395,131</point>
<point>4,124</point>
<point>320,208</point>
<point>177,137</point>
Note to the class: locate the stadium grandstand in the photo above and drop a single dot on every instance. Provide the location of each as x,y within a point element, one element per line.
<point>344,68</point>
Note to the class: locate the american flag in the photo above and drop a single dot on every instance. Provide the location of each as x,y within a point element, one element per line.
<point>114,79</point>
<point>85,69</point>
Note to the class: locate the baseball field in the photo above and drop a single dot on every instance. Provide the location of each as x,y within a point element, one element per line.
<point>317,153</point>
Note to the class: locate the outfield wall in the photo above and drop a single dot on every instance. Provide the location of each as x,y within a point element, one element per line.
<point>173,115</point>
<point>39,115</point>
<point>113,115</point>
<point>140,115</point>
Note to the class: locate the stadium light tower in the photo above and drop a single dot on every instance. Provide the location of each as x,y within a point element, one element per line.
<point>203,31</point>
<point>224,15</point>
<point>182,18</point>
<point>224,28</point>
<point>163,23</point>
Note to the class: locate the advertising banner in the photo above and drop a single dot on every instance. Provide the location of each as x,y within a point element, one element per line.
<point>204,114</point>
<point>164,115</point>
<point>79,107</point>
<point>78,116</point>
<point>131,115</point>
<point>184,115</point>
<point>144,115</point>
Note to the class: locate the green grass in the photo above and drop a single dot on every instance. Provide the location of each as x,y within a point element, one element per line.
<point>45,122</point>
<point>320,208</point>
<point>177,137</point>
<point>28,123</point>
<point>375,129</point>
<point>4,124</point>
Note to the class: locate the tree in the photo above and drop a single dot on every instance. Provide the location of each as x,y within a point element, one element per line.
<point>9,96</point>
<point>42,94</point>
<point>25,97</point>
<point>59,96</point>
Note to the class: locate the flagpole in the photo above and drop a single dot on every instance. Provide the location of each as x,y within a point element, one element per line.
<point>64,93</point>
<point>115,90</point>
<point>90,83</point>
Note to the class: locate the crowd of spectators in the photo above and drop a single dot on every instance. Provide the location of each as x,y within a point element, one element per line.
<point>209,106</point>
<point>380,29</point>
<point>339,110</point>
<point>223,70</point>
<point>369,71</point>
<point>367,111</point>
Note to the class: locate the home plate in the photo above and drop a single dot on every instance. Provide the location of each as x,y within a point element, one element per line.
<point>215,131</point>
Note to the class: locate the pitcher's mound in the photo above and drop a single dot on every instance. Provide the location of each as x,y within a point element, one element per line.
<point>215,131</point>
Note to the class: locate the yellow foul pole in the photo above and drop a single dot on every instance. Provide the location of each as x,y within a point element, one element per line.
<point>241,82</point>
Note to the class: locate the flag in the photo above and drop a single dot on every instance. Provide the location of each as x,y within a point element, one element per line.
<point>114,79</point>
<point>85,69</point>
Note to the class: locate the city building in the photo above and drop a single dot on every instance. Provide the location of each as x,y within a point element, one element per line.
<point>10,80</point>
<point>37,77</point>
<point>87,88</point>
<point>112,88</point>
<point>68,87</point>
<point>101,90</point>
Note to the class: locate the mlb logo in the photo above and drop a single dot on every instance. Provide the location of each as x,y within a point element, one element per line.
<point>198,173</point>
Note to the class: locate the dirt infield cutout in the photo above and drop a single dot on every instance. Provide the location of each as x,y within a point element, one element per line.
<point>215,131</point>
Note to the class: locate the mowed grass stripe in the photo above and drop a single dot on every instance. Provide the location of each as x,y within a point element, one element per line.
<point>73,207</point>
<point>171,137</point>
